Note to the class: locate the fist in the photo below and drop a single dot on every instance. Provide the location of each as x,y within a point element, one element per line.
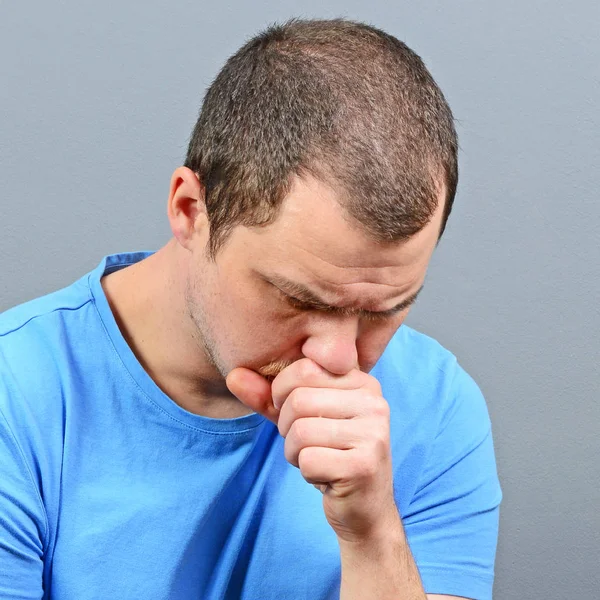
<point>337,432</point>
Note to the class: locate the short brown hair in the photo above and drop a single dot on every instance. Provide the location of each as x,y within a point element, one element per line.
<point>342,101</point>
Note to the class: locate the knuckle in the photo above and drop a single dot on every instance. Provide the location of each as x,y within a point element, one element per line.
<point>359,467</point>
<point>289,451</point>
<point>284,425</point>
<point>371,384</point>
<point>295,400</point>
<point>380,407</point>
<point>381,446</point>
<point>379,439</point>
<point>306,460</point>
<point>367,468</point>
<point>375,406</point>
<point>307,368</point>
<point>299,431</point>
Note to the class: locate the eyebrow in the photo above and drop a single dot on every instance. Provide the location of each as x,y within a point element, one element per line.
<point>298,291</point>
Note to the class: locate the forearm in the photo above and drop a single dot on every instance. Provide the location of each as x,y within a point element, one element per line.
<point>380,570</point>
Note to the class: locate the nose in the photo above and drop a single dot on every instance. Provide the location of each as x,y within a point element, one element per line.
<point>332,344</point>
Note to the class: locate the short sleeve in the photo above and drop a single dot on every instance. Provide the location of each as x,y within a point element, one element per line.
<point>22,519</point>
<point>452,520</point>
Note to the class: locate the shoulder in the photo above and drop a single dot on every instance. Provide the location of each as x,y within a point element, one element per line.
<point>416,355</point>
<point>33,335</point>
<point>34,350</point>
<point>36,342</point>
<point>416,371</point>
<point>434,402</point>
<point>446,480</point>
<point>40,311</point>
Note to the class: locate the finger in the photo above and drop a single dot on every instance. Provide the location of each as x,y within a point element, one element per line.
<point>307,373</point>
<point>316,431</point>
<point>327,403</point>
<point>253,390</point>
<point>324,466</point>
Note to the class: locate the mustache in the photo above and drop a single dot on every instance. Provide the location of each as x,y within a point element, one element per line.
<point>270,371</point>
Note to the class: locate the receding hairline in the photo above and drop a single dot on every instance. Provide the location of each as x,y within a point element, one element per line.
<point>246,180</point>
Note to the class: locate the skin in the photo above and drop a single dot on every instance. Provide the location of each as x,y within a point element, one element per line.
<point>168,306</point>
<point>207,332</point>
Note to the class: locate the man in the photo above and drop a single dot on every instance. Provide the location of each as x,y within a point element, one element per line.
<point>161,416</point>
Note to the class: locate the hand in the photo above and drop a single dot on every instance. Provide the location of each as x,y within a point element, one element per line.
<point>336,430</point>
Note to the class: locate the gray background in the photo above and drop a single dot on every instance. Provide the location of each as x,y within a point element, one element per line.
<point>97,101</point>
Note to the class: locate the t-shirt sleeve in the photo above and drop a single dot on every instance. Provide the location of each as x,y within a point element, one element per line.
<point>452,520</point>
<point>22,518</point>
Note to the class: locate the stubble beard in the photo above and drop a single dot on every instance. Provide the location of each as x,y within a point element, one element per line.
<point>205,339</point>
<point>202,334</point>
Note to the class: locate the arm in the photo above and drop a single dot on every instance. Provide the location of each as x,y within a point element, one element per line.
<point>337,432</point>
<point>452,522</point>
<point>373,572</point>
<point>382,569</point>
<point>22,521</point>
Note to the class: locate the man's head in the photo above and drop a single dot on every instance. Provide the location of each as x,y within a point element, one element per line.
<point>344,102</point>
<point>323,161</point>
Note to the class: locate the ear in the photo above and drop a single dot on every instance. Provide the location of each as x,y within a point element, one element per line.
<point>186,208</point>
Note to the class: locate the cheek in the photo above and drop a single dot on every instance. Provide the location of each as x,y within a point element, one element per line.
<point>258,321</point>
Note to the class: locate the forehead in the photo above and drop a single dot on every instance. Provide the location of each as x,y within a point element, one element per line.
<point>312,237</point>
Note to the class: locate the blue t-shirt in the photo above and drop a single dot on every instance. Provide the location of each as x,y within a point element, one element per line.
<point>110,490</point>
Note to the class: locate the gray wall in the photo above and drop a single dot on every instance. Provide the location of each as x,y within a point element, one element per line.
<point>96,104</point>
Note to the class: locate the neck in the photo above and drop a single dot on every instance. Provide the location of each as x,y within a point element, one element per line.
<point>148,302</point>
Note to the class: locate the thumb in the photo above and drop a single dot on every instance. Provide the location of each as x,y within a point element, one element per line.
<point>252,390</point>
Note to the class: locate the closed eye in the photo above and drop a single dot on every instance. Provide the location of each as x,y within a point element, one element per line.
<point>364,314</point>
<point>297,303</point>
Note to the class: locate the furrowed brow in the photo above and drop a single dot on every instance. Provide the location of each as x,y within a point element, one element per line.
<point>300,292</point>
<point>407,302</point>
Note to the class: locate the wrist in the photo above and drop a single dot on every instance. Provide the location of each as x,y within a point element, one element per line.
<point>379,540</point>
